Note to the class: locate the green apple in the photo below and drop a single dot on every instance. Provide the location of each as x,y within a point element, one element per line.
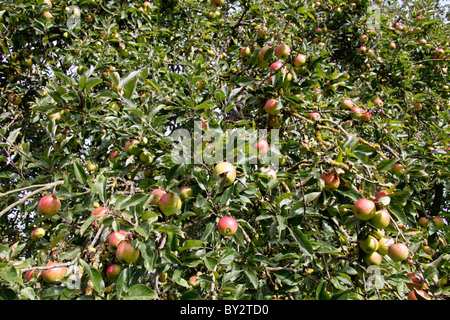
<point>369,244</point>
<point>381,219</point>
<point>227,170</point>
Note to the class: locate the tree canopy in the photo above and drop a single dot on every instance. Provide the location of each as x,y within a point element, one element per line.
<point>332,118</point>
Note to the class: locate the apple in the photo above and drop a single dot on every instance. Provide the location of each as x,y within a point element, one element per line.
<point>398,252</point>
<point>48,15</point>
<point>186,192</point>
<point>193,281</point>
<point>392,45</point>
<point>373,258</point>
<point>168,202</point>
<point>378,233</point>
<point>262,31</point>
<point>92,167</point>
<point>262,53</point>
<point>116,238</point>
<point>362,49</point>
<point>227,226</point>
<point>355,113</point>
<point>398,169</point>
<point>219,3</point>
<point>225,168</point>
<point>126,253</point>
<point>415,281</point>
<point>365,116</point>
<point>100,212</point>
<point>381,219</point>
<point>331,180</point>
<point>30,274</point>
<point>48,3</point>
<point>113,154</point>
<point>269,172</point>
<point>271,107</point>
<point>347,104</point>
<point>363,38</point>
<point>364,209</point>
<point>422,42</point>
<point>245,52</point>
<point>275,66</point>
<point>412,295</point>
<point>282,51</point>
<point>14,98</point>
<point>438,221</point>
<point>49,205</point>
<point>418,106</point>
<point>369,244</point>
<point>145,157</point>
<point>262,146</point>
<point>37,234</point>
<point>300,60</point>
<point>113,271</point>
<point>380,194</point>
<point>423,222</point>
<point>314,116</point>
<point>53,275</point>
<point>132,148</point>
<point>158,193</point>
<point>383,245</point>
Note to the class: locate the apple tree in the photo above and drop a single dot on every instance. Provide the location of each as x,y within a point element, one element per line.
<point>238,149</point>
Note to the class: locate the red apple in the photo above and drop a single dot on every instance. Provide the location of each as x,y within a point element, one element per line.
<point>315,116</point>
<point>438,221</point>
<point>158,193</point>
<point>381,219</point>
<point>424,222</point>
<point>275,66</point>
<point>113,154</point>
<point>380,194</point>
<point>245,52</point>
<point>365,116</point>
<point>30,274</point>
<point>271,107</point>
<point>347,104</point>
<point>412,295</point>
<point>373,258</point>
<point>37,234</point>
<point>282,51</point>
<point>300,60</point>
<point>193,281</point>
<point>227,226</point>
<point>331,180</point>
<point>227,169</point>
<point>415,281</point>
<point>169,202</point>
<point>398,252</point>
<point>262,146</point>
<point>126,254</point>
<point>398,169</point>
<point>116,238</point>
<point>363,38</point>
<point>53,275</point>
<point>100,212</point>
<point>418,106</point>
<point>392,45</point>
<point>186,192</point>
<point>49,205</point>
<point>355,112</point>
<point>113,271</point>
<point>362,49</point>
<point>364,209</point>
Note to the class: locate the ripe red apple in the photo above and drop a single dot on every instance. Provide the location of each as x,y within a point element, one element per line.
<point>373,258</point>
<point>282,51</point>
<point>365,116</point>
<point>227,226</point>
<point>412,295</point>
<point>262,147</point>
<point>398,169</point>
<point>418,106</point>
<point>315,116</point>
<point>168,202</point>
<point>422,42</point>
<point>347,104</point>
<point>37,234</point>
<point>49,205</point>
<point>186,192</point>
<point>398,252</point>
<point>116,238</point>
<point>30,274</point>
<point>100,212</point>
<point>364,209</point>
<point>369,244</point>
<point>262,53</point>
<point>380,194</point>
<point>355,113</point>
<point>225,168</point>
<point>113,271</point>
<point>275,66</point>
<point>245,52</point>
<point>158,193</point>
<point>113,154</point>
<point>381,219</point>
<point>126,254</point>
<point>331,180</point>
<point>362,49</point>
<point>300,60</point>
<point>271,107</point>
<point>132,148</point>
<point>193,281</point>
<point>219,3</point>
<point>393,45</point>
<point>415,281</point>
<point>53,275</point>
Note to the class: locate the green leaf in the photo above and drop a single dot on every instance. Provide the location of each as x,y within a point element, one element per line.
<point>301,240</point>
<point>141,292</point>
<point>251,275</point>
<point>94,275</point>
<point>80,174</point>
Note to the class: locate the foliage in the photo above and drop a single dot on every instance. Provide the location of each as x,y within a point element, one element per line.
<point>126,70</point>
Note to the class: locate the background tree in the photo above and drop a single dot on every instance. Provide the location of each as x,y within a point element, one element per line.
<point>92,94</point>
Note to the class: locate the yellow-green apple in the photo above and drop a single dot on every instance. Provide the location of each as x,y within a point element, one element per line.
<point>55,274</point>
<point>194,281</point>
<point>331,180</point>
<point>92,167</point>
<point>373,258</point>
<point>347,104</point>
<point>227,170</point>
<point>116,238</point>
<point>383,245</point>
<point>169,202</point>
<point>398,252</point>
<point>126,253</point>
<point>271,107</point>
<point>49,205</point>
<point>381,219</point>
<point>245,52</point>
<point>262,53</point>
<point>363,38</point>
<point>145,157</point>
<point>300,60</point>
<point>378,233</point>
<point>132,147</point>
<point>227,226</point>
<point>186,192</point>
<point>282,51</point>
<point>47,15</point>
<point>418,106</point>
<point>113,271</point>
<point>369,244</point>
<point>157,193</point>
<point>37,234</point>
<point>14,98</point>
<point>364,209</point>
<point>378,102</point>
<point>269,172</point>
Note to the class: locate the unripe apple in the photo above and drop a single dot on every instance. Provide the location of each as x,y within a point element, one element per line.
<point>116,238</point>
<point>245,52</point>
<point>300,60</point>
<point>363,38</point>
<point>113,271</point>
<point>347,104</point>
<point>262,31</point>
<point>186,192</point>
<point>269,172</point>
<point>225,168</point>
<point>48,15</point>
<point>193,281</point>
<point>355,113</point>
<point>49,205</point>
<point>219,3</point>
<point>378,233</point>
<point>227,226</point>
<point>158,193</point>
<point>381,219</point>
<point>373,258</point>
<point>37,234</point>
<point>53,275</point>
<point>369,244</point>
<point>331,180</point>
<point>92,167</point>
<point>126,253</point>
<point>275,66</point>
<point>383,245</point>
<point>398,169</point>
<point>262,147</point>
<point>145,157</point>
<point>423,222</point>
<point>271,107</point>
<point>364,209</point>
<point>132,148</point>
<point>262,53</point>
<point>169,202</point>
<point>398,252</point>
<point>418,106</point>
<point>282,51</point>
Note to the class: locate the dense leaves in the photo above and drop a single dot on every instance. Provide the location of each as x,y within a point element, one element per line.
<point>81,80</point>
